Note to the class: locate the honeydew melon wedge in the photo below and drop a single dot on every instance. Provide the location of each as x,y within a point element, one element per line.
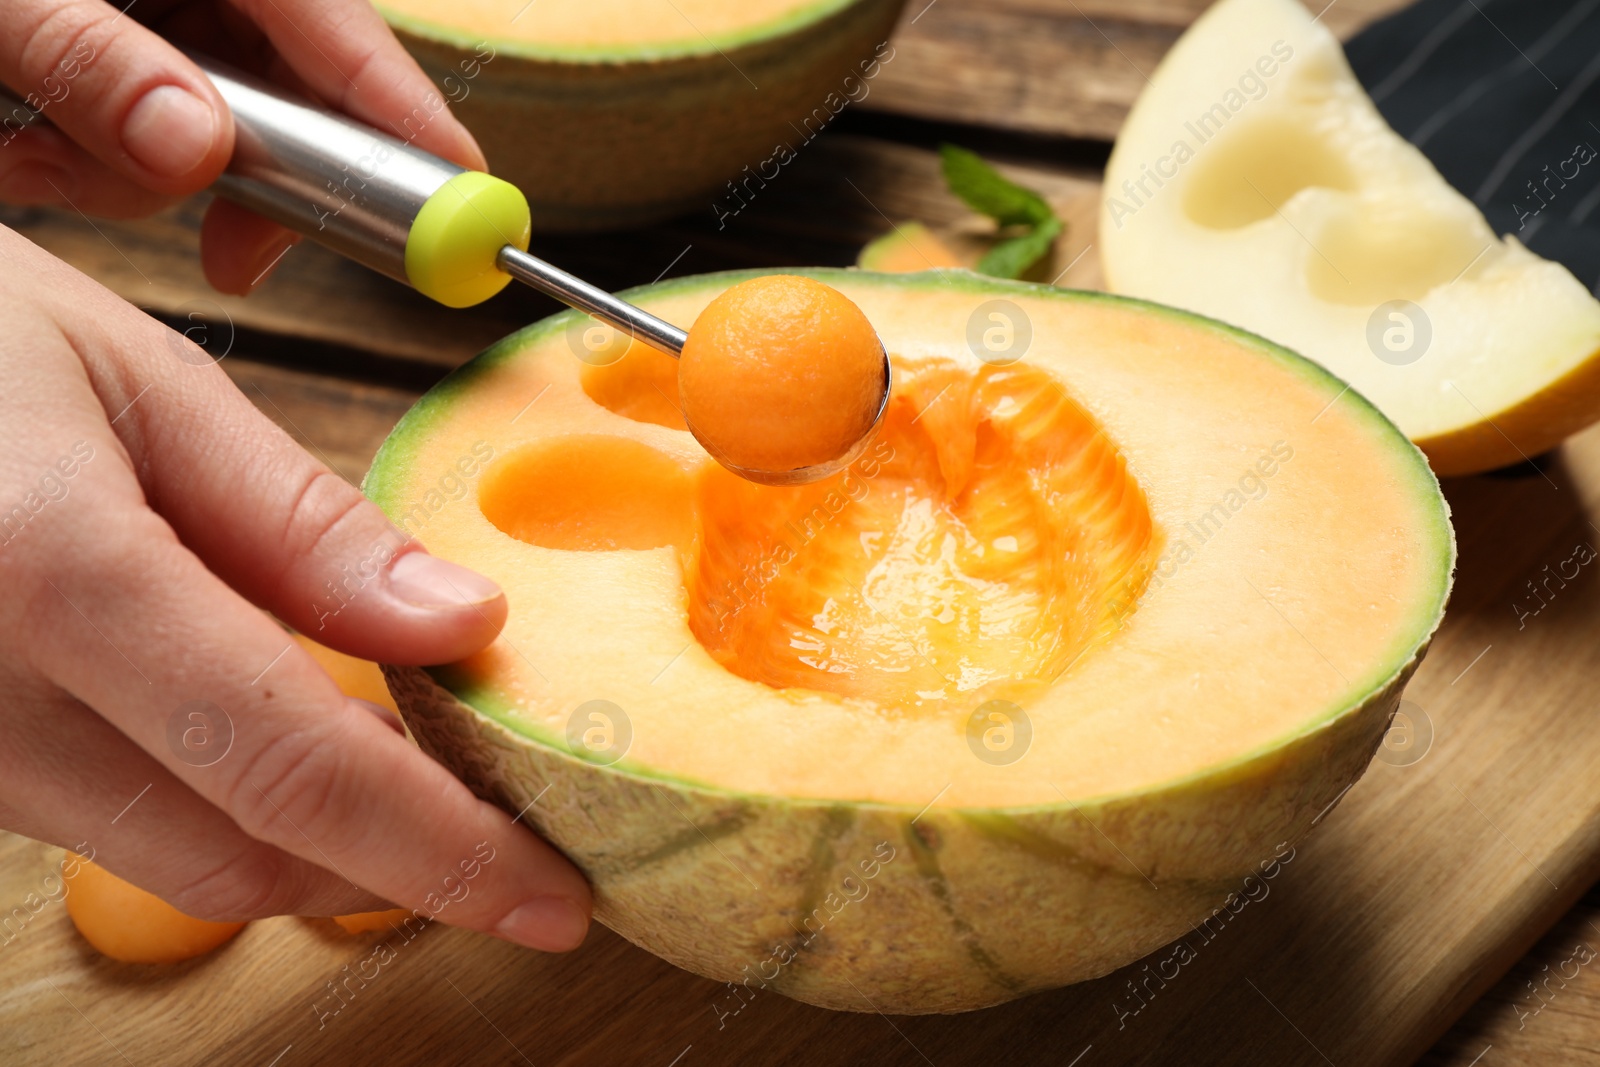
<point>1255,181</point>
<point>613,113</point>
<point>1123,606</point>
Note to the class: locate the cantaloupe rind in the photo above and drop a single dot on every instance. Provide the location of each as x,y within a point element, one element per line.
<point>627,129</point>
<point>472,25</point>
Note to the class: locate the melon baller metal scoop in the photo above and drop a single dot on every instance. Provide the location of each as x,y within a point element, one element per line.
<point>455,235</point>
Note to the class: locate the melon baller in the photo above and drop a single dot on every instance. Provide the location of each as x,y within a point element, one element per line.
<point>455,235</point>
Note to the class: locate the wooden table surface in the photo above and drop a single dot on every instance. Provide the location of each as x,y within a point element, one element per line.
<point>1439,911</point>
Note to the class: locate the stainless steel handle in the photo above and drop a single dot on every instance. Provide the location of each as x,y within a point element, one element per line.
<point>338,181</point>
<point>358,191</point>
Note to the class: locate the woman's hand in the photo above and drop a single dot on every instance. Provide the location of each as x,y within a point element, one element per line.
<point>136,124</point>
<point>148,513</point>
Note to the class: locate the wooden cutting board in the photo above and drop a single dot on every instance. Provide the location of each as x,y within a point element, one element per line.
<point>1414,894</point>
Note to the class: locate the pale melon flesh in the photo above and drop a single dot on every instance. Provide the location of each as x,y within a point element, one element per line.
<point>1196,587</point>
<point>1256,182</point>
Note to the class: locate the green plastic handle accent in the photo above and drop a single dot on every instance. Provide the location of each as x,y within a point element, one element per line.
<point>451,249</point>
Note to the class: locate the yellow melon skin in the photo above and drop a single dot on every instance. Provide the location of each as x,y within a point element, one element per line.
<point>970,910</point>
<point>1517,434</point>
<point>607,138</point>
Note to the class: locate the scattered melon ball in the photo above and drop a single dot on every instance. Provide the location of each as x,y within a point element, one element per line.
<point>781,372</point>
<point>126,923</point>
<point>365,922</point>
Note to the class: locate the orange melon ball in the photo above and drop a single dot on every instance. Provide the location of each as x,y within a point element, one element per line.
<point>364,922</point>
<point>781,372</point>
<point>126,923</point>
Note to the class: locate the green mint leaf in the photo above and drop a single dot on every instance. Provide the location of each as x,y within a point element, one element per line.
<point>986,190</point>
<point>1011,257</point>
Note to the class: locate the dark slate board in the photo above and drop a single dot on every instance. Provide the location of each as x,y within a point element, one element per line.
<point>1504,97</point>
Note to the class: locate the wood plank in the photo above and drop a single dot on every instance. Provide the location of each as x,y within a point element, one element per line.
<point>152,263</point>
<point>1062,68</point>
<point>1545,1010</point>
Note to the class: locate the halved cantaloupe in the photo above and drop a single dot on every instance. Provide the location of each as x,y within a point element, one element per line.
<point>1128,611</point>
<point>1256,181</point>
<point>613,113</point>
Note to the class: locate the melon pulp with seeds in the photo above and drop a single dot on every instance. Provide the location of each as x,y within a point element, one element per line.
<point>1256,182</point>
<point>1086,634</point>
<point>613,113</point>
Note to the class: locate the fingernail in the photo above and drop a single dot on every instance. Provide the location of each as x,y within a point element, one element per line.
<point>431,582</point>
<point>470,153</point>
<point>549,924</point>
<point>37,183</point>
<point>379,712</point>
<point>169,131</point>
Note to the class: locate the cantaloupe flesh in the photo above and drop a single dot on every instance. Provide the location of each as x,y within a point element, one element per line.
<point>1299,593</point>
<point>598,25</point>
<point>909,247</point>
<point>366,922</point>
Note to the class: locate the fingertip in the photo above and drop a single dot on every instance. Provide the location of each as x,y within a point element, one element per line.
<point>32,183</point>
<point>428,581</point>
<point>470,608</point>
<point>548,924</point>
<point>170,131</point>
<point>179,135</point>
<point>239,249</point>
<point>466,151</point>
<point>444,135</point>
<point>419,609</point>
